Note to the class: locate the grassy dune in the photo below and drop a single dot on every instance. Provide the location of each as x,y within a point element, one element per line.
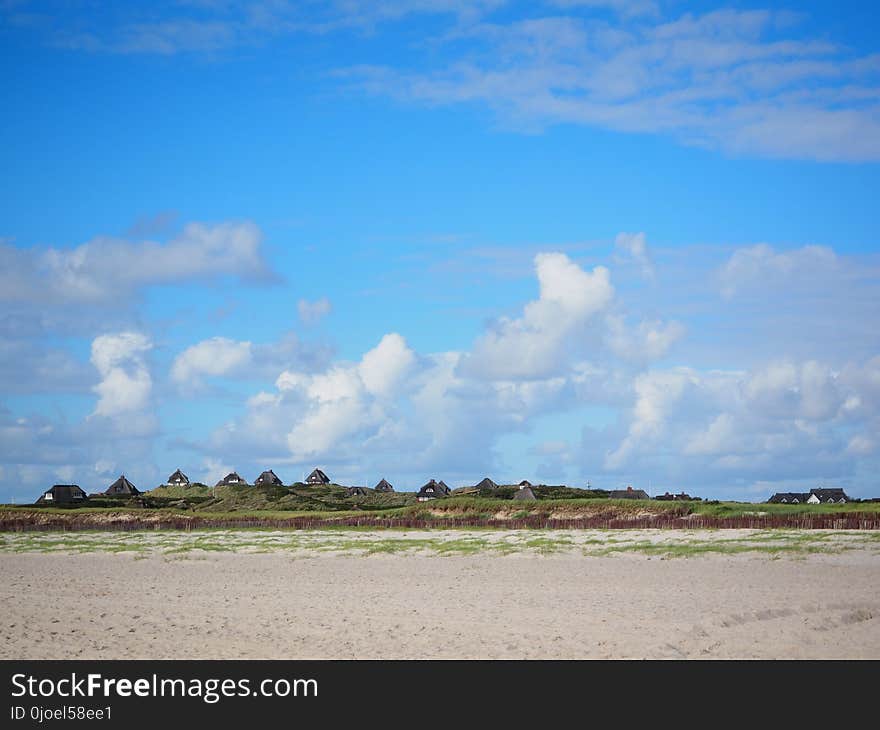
<point>261,508</point>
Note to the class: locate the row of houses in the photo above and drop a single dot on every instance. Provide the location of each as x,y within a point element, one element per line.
<point>814,496</point>
<point>123,487</point>
<point>433,489</point>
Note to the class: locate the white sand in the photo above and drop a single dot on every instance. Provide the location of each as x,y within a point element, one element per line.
<point>308,603</point>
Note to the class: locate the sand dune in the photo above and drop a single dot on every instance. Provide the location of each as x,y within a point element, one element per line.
<point>309,603</point>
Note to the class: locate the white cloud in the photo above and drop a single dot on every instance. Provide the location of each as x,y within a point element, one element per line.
<point>762,265</point>
<point>222,357</point>
<point>384,367</point>
<point>739,81</point>
<point>656,393</point>
<point>532,346</point>
<point>125,378</point>
<point>213,470</point>
<point>313,312</point>
<point>112,270</point>
<point>346,400</point>
<point>785,420</point>
<point>650,340</point>
<point>214,357</point>
<point>861,445</point>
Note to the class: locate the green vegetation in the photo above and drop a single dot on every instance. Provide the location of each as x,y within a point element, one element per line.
<point>309,543</point>
<point>326,506</point>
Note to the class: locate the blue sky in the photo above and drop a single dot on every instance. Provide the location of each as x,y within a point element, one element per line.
<point>570,241</point>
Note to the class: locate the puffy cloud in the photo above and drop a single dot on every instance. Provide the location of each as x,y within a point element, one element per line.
<point>384,367</point>
<point>532,346</point>
<point>125,378</point>
<point>213,357</point>
<point>346,400</point>
<point>221,357</point>
<point>656,394</point>
<point>785,420</point>
<point>313,312</point>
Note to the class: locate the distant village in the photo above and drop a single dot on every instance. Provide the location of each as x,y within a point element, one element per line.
<point>433,489</point>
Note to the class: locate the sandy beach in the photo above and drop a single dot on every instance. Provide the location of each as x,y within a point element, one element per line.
<point>487,595</point>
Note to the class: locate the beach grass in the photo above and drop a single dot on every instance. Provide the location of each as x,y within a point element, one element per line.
<point>589,543</point>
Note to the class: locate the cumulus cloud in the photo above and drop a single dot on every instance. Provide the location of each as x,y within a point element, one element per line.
<point>112,270</point>
<point>656,393</point>
<point>222,357</point>
<point>313,312</point>
<point>345,400</point>
<point>125,378</point>
<point>383,368</point>
<point>213,357</point>
<point>785,420</point>
<point>532,345</point>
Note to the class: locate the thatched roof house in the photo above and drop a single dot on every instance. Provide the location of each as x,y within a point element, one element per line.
<point>814,496</point>
<point>231,479</point>
<point>121,488</point>
<point>63,494</point>
<point>268,479</point>
<point>667,497</point>
<point>384,486</point>
<point>355,492</point>
<point>830,495</point>
<point>433,490</point>
<point>525,493</point>
<point>486,484</point>
<point>628,493</point>
<point>317,477</point>
<point>525,483</point>
<point>178,479</point>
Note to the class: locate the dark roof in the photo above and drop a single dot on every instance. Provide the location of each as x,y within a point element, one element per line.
<point>525,483</point>
<point>317,477</point>
<point>789,497</point>
<point>434,489</point>
<point>830,494</point>
<point>122,486</point>
<point>352,491</point>
<point>682,497</point>
<point>444,486</point>
<point>231,478</point>
<point>63,493</point>
<point>268,477</point>
<point>178,477</point>
<point>384,486</point>
<point>486,484</point>
<point>628,493</point>
<point>524,493</point>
